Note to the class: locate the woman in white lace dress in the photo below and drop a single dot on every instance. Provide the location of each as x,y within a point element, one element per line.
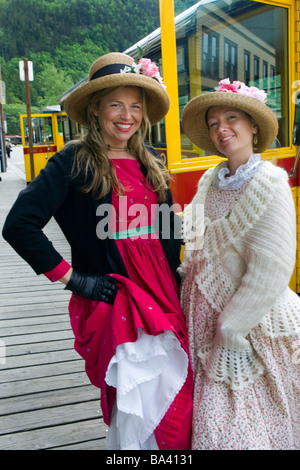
<point>243,319</point>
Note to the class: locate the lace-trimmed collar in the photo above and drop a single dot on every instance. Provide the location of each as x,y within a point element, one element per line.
<point>242,175</point>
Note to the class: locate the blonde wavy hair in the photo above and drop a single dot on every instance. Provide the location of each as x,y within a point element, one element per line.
<point>91,159</point>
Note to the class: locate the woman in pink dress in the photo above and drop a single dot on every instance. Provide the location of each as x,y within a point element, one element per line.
<point>106,192</point>
<point>243,320</point>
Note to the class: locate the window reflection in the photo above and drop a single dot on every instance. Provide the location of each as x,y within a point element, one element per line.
<point>70,129</point>
<point>248,37</point>
<point>239,39</point>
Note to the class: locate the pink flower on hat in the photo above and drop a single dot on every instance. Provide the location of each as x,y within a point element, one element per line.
<point>229,87</point>
<point>145,67</point>
<point>242,89</point>
<point>148,67</point>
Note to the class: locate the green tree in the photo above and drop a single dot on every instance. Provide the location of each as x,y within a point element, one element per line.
<point>51,83</point>
<point>12,115</point>
<point>62,38</point>
<point>75,60</point>
<point>15,89</point>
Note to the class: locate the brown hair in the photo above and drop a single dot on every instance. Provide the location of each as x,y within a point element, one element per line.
<point>91,159</point>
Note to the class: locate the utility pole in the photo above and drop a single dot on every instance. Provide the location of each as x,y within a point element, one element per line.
<point>2,125</point>
<point>29,122</point>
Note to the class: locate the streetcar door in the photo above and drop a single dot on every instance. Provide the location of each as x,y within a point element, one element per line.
<point>45,141</point>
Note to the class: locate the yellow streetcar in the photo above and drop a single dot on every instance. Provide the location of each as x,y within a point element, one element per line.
<point>51,130</point>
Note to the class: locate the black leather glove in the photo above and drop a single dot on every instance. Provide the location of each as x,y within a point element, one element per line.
<point>93,287</point>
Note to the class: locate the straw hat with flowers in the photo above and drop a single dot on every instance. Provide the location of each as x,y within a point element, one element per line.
<point>117,69</point>
<point>251,100</point>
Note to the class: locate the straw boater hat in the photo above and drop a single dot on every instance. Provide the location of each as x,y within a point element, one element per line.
<point>251,100</point>
<point>118,69</point>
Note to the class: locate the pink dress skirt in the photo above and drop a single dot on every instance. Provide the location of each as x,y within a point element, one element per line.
<point>136,351</point>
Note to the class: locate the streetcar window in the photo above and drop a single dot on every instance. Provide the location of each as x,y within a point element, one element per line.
<point>66,129</point>
<point>240,40</point>
<point>42,133</point>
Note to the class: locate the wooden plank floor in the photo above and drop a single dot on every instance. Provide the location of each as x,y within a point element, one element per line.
<point>46,399</point>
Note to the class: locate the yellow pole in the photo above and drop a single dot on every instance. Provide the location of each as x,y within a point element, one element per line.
<point>169,60</point>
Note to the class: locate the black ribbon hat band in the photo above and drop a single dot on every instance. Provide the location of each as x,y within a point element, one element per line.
<point>108,70</point>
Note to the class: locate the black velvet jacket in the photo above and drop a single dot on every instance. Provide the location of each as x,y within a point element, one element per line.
<point>55,193</point>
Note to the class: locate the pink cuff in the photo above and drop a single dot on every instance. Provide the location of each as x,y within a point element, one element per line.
<point>58,272</point>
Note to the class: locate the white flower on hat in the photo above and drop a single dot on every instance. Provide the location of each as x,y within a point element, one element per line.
<point>225,81</point>
<point>126,69</point>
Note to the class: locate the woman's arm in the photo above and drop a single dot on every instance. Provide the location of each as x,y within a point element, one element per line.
<point>269,252</point>
<point>65,279</point>
<point>32,210</point>
<point>270,249</point>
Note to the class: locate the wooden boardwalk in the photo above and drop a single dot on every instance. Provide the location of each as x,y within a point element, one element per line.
<point>46,399</point>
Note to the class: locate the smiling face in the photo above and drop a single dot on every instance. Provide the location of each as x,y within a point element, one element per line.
<point>231,131</point>
<point>120,115</point>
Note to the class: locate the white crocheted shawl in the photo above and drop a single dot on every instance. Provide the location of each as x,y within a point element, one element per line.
<point>244,264</point>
